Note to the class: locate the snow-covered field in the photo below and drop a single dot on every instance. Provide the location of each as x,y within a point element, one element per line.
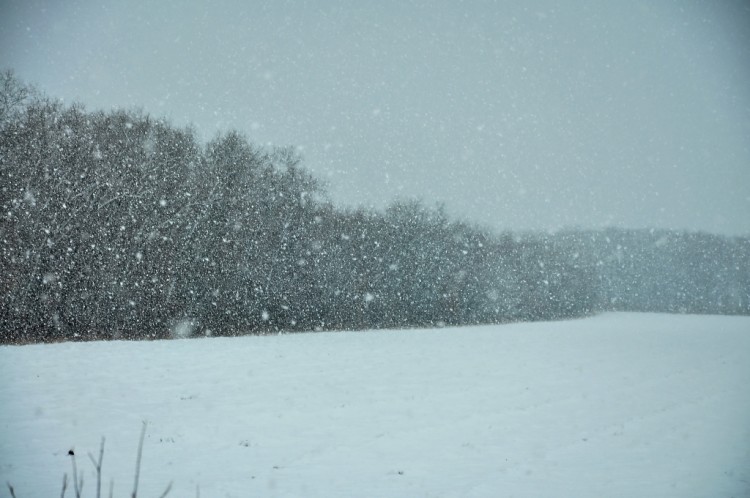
<point>618,405</point>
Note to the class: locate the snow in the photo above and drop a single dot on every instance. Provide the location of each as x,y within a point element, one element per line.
<point>616,405</point>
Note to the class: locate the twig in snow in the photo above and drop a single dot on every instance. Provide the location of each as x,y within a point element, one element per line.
<point>98,467</point>
<point>166,491</point>
<point>77,484</point>
<point>138,461</point>
<point>65,485</point>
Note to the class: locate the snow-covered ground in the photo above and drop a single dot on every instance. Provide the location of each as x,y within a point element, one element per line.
<point>618,405</point>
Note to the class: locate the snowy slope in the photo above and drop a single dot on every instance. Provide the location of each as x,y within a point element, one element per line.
<point>618,405</point>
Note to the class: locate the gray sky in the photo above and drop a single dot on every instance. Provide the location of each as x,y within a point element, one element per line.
<point>520,115</point>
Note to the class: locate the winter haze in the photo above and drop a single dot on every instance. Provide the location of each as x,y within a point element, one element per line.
<point>517,115</point>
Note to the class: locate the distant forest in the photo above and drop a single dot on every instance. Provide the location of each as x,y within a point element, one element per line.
<point>116,225</point>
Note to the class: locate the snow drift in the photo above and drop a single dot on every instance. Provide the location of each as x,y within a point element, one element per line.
<point>617,405</point>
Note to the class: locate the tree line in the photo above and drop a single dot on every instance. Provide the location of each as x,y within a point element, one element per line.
<point>116,225</point>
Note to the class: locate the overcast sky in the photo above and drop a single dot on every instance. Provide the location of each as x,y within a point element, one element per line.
<point>517,115</point>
